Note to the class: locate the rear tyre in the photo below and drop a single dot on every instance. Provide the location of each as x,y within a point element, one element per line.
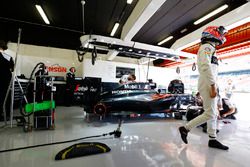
<point>100,109</point>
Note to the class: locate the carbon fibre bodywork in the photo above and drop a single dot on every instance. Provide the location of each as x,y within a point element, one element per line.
<point>138,98</point>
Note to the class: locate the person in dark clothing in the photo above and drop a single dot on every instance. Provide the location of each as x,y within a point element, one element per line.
<point>41,81</point>
<point>176,86</point>
<point>198,99</point>
<point>152,84</point>
<point>6,67</point>
<point>70,86</point>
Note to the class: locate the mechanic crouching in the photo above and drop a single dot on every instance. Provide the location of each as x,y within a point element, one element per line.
<point>226,109</point>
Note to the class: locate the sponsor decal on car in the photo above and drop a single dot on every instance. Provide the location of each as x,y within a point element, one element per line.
<point>121,91</point>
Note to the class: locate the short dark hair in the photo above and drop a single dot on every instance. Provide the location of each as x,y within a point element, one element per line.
<point>72,68</point>
<point>3,45</point>
<point>133,76</point>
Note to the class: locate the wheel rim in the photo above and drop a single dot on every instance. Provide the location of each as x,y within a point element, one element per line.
<point>100,109</point>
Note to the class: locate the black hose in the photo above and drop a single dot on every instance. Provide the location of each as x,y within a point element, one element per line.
<point>178,70</point>
<point>22,112</point>
<point>94,55</point>
<point>81,52</point>
<point>116,133</point>
<point>80,58</point>
<point>193,67</point>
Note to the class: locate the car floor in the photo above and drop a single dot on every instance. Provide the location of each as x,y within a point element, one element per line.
<point>144,143</point>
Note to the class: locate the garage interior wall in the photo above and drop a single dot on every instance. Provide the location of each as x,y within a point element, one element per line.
<point>235,69</point>
<point>107,71</point>
<point>30,55</point>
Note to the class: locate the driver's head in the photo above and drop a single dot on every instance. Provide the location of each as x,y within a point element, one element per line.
<point>214,34</point>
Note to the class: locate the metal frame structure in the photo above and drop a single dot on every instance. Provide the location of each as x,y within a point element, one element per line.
<point>12,85</point>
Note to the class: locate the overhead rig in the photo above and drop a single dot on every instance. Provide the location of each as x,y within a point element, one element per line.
<point>114,47</point>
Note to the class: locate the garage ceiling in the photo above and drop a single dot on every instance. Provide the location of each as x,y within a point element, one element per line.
<point>100,15</point>
<point>177,15</point>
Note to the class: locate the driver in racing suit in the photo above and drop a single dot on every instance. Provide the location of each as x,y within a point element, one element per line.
<point>207,65</point>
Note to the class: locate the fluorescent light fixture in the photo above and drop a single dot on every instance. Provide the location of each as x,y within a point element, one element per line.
<point>211,14</point>
<point>114,29</point>
<point>184,30</point>
<point>129,1</point>
<point>43,15</point>
<point>165,40</point>
<point>229,27</point>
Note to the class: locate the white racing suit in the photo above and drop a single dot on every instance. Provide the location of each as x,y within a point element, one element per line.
<point>208,68</point>
<point>124,79</point>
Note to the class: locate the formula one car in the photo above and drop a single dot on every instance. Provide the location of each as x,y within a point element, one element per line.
<point>138,98</point>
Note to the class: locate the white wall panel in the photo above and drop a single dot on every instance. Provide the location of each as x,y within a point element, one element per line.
<point>30,55</point>
<point>107,71</point>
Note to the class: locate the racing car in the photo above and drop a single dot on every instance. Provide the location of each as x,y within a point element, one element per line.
<point>138,98</point>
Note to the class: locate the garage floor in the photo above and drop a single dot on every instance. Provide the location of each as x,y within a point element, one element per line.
<point>143,144</point>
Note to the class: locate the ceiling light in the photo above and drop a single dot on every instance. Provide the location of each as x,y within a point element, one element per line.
<point>211,14</point>
<point>139,51</point>
<point>120,48</point>
<point>184,30</point>
<point>165,40</point>
<point>43,15</point>
<point>129,1</point>
<point>114,29</point>
<point>130,50</point>
<point>229,27</point>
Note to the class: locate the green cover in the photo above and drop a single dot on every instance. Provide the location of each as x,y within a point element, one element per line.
<point>45,105</point>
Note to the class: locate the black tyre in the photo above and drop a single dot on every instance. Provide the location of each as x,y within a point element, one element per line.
<point>100,109</point>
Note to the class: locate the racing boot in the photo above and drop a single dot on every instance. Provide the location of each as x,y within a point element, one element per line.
<point>184,132</point>
<point>216,144</point>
